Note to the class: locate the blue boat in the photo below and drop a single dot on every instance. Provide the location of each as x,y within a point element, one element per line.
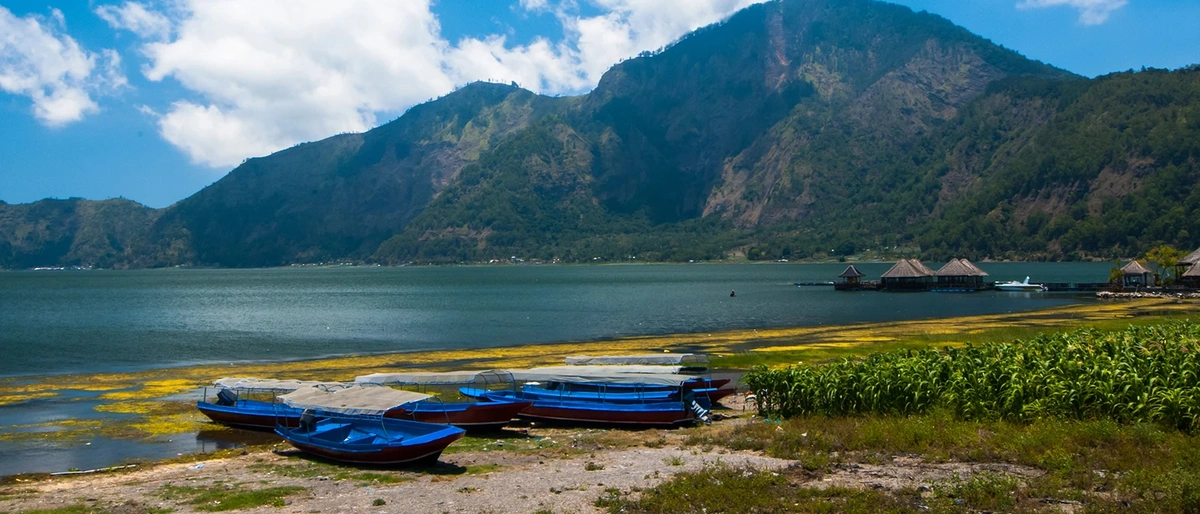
<point>472,415</point>
<point>348,425</point>
<point>677,408</point>
<point>230,406</point>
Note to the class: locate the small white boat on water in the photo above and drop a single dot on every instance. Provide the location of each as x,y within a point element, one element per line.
<point>1019,286</point>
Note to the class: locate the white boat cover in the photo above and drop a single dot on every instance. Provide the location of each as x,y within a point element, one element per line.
<point>630,368</point>
<point>354,400</point>
<point>594,374</point>
<point>490,376</point>
<point>650,359</point>
<point>270,384</point>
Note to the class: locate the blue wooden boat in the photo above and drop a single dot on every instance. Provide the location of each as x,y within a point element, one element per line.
<point>348,425</point>
<point>590,407</point>
<point>230,406</point>
<point>472,415</point>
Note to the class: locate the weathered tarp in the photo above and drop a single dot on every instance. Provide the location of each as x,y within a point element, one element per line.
<point>490,376</point>
<point>354,400</point>
<point>271,384</point>
<point>645,359</point>
<point>597,374</point>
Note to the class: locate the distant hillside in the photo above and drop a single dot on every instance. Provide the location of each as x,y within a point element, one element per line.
<point>72,232</point>
<point>792,128</point>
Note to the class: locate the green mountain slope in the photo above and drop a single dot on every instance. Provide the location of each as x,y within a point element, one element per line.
<point>341,197</point>
<point>792,128</point>
<point>72,232</point>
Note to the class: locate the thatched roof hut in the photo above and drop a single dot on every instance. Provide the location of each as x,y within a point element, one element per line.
<point>851,272</point>
<point>1191,258</point>
<point>960,268</point>
<point>1136,274</point>
<point>960,274</point>
<point>907,274</point>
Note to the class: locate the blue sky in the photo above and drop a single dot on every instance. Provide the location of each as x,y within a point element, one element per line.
<point>154,100</point>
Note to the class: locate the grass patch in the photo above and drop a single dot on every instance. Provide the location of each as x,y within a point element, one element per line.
<point>732,489</point>
<point>222,498</point>
<point>1103,464</point>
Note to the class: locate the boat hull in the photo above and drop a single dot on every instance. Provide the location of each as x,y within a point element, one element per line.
<point>655,413</point>
<point>468,415</point>
<point>373,441</point>
<point>253,414</point>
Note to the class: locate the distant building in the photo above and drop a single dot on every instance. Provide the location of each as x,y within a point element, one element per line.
<point>960,274</point>
<point>851,275</point>
<point>1186,264</point>
<point>1137,275</point>
<point>907,275</point>
<point>852,280</point>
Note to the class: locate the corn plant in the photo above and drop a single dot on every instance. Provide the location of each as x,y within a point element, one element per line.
<point>1140,374</point>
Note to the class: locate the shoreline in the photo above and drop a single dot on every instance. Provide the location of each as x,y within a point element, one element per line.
<point>152,406</point>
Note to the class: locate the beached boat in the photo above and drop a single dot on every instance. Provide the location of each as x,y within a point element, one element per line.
<point>1019,286</point>
<point>230,405</point>
<point>684,407</point>
<point>471,415</point>
<point>348,425</point>
<point>697,382</point>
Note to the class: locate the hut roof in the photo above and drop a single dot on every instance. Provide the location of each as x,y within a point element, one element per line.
<point>979,272</point>
<point>908,268</point>
<point>1135,268</point>
<point>1191,258</point>
<point>851,272</point>
<point>1193,271</point>
<point>960,268</point>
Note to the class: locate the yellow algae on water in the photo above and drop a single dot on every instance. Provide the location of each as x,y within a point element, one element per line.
<point>154,389</point>
<point>12,399</point>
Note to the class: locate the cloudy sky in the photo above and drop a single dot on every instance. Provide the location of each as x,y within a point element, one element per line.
<point>152,100</point>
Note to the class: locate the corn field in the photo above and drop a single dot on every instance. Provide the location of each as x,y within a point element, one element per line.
<point>1140,374</point>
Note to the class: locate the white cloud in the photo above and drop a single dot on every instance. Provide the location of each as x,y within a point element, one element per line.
<point>1091,12</point>
<point>274,73</point>
<point>134,17</point>
<point>37,60</point>
<point>271,73</point>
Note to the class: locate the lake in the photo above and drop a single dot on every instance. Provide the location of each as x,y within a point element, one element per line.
<point>75,322</point>
<point>55,322</point>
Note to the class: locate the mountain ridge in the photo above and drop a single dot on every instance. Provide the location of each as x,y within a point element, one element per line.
<point>789,128</point>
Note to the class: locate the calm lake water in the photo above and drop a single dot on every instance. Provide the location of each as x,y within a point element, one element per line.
<point>96,321</point>
<point>70,322</point>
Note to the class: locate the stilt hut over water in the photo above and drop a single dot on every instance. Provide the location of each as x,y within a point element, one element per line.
<point>908,275</point>
<point>851,275</point>
<point>1137,275</point>
<point>960,274</point>
<point>851,280</point>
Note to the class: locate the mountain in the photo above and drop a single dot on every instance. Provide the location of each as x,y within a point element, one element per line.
<point>791,128</point>
<point>73,232</point>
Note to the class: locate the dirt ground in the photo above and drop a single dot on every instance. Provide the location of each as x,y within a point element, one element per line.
<point>566,478</point>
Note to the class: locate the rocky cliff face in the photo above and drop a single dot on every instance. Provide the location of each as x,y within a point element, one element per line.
<point>793,127</point>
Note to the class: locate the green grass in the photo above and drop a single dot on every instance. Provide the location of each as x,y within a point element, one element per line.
<point>220,498</point>
<point>1104,464</point>
<point>732,489</point>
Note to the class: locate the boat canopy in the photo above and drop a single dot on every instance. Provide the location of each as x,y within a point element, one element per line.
<point>491,376</point>
<point>271,384</point>
<point>630,368</point>
<point>597,374</point>
<point>650,359</point>
<point>355,400</point>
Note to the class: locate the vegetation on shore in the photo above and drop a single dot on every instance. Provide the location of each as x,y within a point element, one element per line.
<point>1141,374</point>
